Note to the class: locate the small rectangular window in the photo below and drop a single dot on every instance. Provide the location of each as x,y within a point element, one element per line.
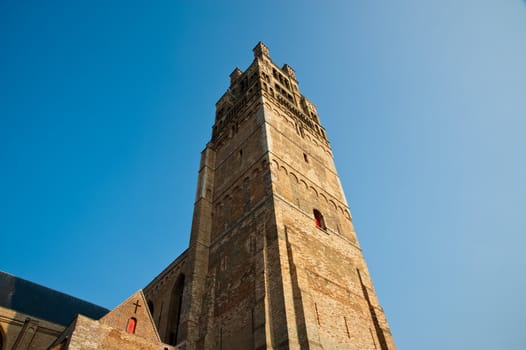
<point>132,324</point>
<point>319,221</point>
<point>305,157</point>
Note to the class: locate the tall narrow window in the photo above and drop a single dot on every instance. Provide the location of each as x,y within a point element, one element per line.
<point>318,219</point>
<point>246,194</point>
<point>132,324</point>
<point>175,311</point>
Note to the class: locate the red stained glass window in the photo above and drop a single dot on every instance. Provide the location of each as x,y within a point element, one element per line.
<point>132,324</point>
<point>318,219</point>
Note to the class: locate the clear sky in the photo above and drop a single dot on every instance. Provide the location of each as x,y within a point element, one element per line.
<point>106,105</point>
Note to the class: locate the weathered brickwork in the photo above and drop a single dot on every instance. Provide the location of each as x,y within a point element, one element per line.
<point>128,326</point>
<point>159,294</point>
<point>274,261</point>
<point>88,334</point>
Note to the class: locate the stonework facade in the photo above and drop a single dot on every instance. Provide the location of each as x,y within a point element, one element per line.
<point>129,326</point>
<point>274,261</point>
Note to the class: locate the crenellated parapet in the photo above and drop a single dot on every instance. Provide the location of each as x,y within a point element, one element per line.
<point>264,79</point>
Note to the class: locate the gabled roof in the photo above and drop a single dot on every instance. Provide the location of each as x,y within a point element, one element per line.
<point>129,326</point>
<point>135,307</point>
<point>38,301</point>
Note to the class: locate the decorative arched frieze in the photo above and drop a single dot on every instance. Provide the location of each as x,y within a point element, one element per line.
<point>294,177</point>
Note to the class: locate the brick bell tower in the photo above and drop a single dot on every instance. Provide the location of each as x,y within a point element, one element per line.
<point>273,262</point>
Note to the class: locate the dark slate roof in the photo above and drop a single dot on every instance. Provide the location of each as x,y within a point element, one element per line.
<point>44,303</point>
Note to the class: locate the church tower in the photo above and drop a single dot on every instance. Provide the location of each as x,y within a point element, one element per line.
<point>273,262</point>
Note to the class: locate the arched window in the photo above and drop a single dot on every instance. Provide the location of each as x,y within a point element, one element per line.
<point>132,324</point>
<point>318,219</point>
<point>175,311</point>
<point>1,340</point>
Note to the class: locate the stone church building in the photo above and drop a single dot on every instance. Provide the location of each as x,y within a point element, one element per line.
<point>273,260</point>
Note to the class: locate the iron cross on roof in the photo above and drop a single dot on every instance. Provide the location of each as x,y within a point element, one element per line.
<point>136,306</point>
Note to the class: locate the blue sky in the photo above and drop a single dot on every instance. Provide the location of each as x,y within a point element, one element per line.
<point>106,105</point>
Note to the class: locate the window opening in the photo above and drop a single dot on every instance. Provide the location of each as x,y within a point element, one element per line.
<point>175,311</point>
<point>305,157</point>
<point>224,263</point>
<point>318,219</point>
<point>132,324</point>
